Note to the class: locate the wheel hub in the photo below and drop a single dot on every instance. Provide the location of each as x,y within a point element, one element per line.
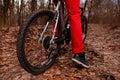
<point>46,42</point>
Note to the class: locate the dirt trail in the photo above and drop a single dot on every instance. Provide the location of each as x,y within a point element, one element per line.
<point>102,48</point>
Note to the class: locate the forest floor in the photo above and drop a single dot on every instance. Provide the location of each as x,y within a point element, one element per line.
<point>102,48</point>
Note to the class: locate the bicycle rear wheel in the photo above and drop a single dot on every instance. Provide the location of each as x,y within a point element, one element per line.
<point>34,55</point>
<point>84,27</point>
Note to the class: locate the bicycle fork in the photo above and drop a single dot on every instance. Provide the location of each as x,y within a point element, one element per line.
<point>56,18</point>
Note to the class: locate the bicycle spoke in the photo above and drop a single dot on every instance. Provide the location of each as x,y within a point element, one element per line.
<point>33,42</point>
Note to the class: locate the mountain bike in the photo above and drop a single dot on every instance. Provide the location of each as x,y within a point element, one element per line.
<point>37,43</point>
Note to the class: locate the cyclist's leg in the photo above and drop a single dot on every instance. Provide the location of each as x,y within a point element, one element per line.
<point>75,25</point>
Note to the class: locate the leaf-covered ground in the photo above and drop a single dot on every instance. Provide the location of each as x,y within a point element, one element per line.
<point>102,48</point>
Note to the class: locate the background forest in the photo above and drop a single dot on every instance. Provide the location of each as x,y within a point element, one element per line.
<point>14,12</point>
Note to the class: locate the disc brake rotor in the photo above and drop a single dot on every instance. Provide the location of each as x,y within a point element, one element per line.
<point>46,42</point>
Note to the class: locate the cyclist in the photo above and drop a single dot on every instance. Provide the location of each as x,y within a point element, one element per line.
<point>76,32</point>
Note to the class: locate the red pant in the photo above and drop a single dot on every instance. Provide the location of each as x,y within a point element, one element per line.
<point>75,24</point>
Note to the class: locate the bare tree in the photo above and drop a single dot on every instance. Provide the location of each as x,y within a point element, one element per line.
<point>118,1</point>
<point>19,11</point>
<point>1,12</point>
<point>89,2</point>
<point>5,10</point>
<point>33,5</point>
<point>12,22</point>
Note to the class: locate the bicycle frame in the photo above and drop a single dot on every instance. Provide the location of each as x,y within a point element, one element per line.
<point>58,16</point>
<point>59,19</point>
<point>57,12</point>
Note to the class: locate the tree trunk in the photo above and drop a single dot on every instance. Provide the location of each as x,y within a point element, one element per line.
<point>1,13</point>
<point>12,22</point>
<point>5,10</point>
<point>33,5</point>
<point>20,12</point>
<point>90,8</point>
<point>119,5</point>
